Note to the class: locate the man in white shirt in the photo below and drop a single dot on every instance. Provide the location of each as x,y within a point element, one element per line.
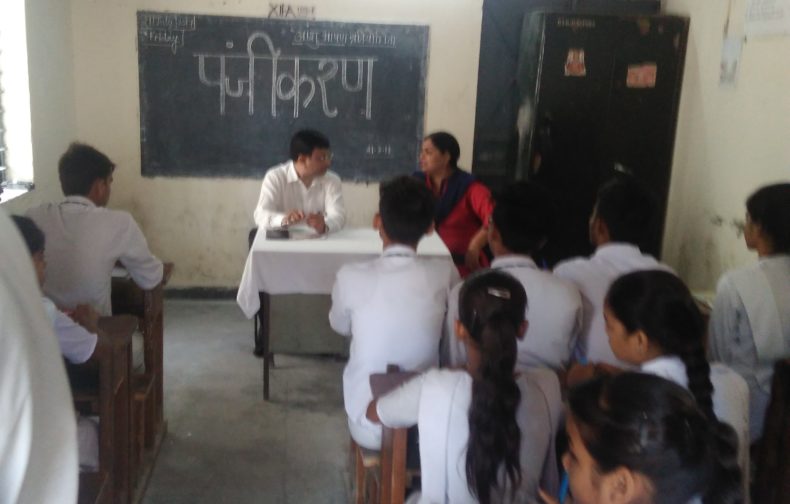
<point>392,307</point>
<point>302,190</point>
<point>85,240</point>
<point>621,219</point>
<point>38,439</point>
<point>520,225</point>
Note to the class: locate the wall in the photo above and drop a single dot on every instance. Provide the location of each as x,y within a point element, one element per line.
<point>202,224</point>
<point>730,141</point>
<point>52,117</point>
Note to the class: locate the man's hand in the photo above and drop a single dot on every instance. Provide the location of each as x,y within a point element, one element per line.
<point>316,221</point>
<point>293,217</point>
<point>472,259</point>
<point>87,317</point>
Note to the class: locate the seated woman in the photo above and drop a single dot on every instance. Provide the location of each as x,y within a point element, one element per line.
<point>750,323</point>
<point>638,438</point>
<point>463,204</point>
<point>653,323</point>
<point>486,433</point>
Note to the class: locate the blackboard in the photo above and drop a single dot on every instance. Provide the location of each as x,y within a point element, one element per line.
<point>221,96</point>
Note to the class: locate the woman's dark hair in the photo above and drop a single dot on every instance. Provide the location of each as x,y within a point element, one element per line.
<point>652,426</point>
<point>769,207</point>
<point>446,144</point>
<point>491,308</point>
<point>659,304</point>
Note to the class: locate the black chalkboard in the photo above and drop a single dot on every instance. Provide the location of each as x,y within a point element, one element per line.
<point>363,85</point>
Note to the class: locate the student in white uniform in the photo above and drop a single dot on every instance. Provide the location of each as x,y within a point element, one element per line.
<point>38,440</point>
<point>486,432</point>
<point>641,439</point>
<point>521,222</point>
<point>392,307</point>
<point>302,189</point>
<point>620,221</point>
<point>654,323</point>
<point>76,334</point>
<point>85,240</point>
<point>750,323</point>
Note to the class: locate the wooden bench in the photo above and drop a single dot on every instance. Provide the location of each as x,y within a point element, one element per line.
<point>101,388</point>
<point>148,388</point>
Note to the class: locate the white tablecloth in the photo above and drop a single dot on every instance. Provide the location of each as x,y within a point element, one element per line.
<point>309,266</point>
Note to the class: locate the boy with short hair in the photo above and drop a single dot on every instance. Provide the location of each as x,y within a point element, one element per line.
<point>522,220</point>
<point>620,222</point>
<point>393,307</point>
<point>86,240</point>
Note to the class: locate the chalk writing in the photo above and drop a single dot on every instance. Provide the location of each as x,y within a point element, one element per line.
<point>291,78</point>
<point>378,151</point>
<point>575,23</point>
<point>283,10</point>
<point>167,30</point>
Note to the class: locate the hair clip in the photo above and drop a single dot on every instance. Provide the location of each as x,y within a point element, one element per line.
<point>500,293</point>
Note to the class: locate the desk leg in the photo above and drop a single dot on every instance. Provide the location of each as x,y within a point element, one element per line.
<point>264,337</point>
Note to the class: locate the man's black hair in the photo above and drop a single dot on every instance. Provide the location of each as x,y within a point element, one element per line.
<point>627,209</point>
<point>524,215</point>
<point>769,207</point>
<point>80,166</point>
<point>305,141</point>
<point>407,208</point>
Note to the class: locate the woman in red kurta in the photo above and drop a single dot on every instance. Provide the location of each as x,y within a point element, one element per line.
<point>463,203</point>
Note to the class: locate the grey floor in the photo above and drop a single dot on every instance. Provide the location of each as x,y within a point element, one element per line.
<point>224,443</point>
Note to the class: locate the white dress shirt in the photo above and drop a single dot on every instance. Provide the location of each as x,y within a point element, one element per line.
<point>76,343</point>
<point>554,313</point>
<point>730,398</point>
<point>38,437</point>
<point>593,276</point>
<point>751,310</point>
<point>83,244</point>
<point>282,191</point>
<point>393,308</point>
<point>438,402</point>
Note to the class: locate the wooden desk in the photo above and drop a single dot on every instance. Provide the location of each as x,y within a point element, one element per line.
<point>287,267</point>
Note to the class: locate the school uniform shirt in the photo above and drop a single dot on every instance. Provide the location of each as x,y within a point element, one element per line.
<point>554,313</point>
<point>438,402</point>
<point>83,244</point>
<point>282,191</point>
<point>730,398</point>
<point>393,308</point>
<point>593,276</point>
<point>76,343</point>
<point>750,328</point>
<point>38,437</point>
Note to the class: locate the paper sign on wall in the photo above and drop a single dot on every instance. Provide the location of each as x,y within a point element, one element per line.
<point>574,63</point>
<point>641,76</point>
<point>767,17</point>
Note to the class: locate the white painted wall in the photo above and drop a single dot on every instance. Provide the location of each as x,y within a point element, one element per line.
<point>730,141</point>
<point>202,224</point>
<point>51,120</point>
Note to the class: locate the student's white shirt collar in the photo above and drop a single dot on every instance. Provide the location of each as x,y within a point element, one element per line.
<point>513,261</point>
<point>399,250</point>
<point>617,249</point>
<point>80,200</point>
<point>290,173</point>
<point>670,367</point>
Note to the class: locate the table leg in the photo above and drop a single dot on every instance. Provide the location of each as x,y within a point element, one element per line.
<point>264,337</point>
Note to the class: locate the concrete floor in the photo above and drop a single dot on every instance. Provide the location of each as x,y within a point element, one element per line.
<point>224,443</point>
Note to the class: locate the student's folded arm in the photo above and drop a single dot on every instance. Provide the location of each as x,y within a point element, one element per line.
<point>334,205</point>
<point>77,344</point>
<point>145,269</point>
<point>401,407</point>
<point>268,211</point>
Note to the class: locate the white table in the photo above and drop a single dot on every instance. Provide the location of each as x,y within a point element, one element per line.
<point>307,266</point>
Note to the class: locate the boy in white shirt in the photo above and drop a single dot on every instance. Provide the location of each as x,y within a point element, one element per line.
<point>521,222</point>
<point>392,307</point>
<point>76,334</point>
<point>85,240</point>
<point>621,220</point>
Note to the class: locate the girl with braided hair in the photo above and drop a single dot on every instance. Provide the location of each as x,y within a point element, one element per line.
<point>653,323</point>
<point>636,438</point>
<point>486,433</point>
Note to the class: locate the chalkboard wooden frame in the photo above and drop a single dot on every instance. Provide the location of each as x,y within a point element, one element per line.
<point>221,96</point>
